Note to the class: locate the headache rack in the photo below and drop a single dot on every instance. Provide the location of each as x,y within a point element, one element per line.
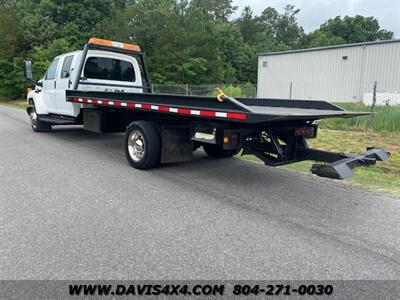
<point>106,45</point>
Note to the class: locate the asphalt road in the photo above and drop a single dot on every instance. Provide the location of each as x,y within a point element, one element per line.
<point>72,208</point>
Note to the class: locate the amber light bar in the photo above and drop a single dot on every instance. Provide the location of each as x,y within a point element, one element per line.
<point>96,41</point>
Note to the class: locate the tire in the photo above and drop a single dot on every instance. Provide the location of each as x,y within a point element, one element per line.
<point>36,124</point>
<point>216,151</point>
<point>142,145</point>
<point>195,146</point>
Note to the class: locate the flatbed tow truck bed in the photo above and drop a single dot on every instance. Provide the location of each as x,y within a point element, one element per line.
<point>244,110</point>
<point>277,119</point>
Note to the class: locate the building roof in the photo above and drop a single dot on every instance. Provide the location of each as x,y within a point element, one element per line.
<point>330,47</point>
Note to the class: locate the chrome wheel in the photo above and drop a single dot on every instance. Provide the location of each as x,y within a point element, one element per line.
<point>136,145</point>
<point>33,117</point>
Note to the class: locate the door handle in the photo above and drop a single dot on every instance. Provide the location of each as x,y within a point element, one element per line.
<point>55,84</point>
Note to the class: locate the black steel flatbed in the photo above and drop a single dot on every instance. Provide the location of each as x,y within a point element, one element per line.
<point>244,110</point>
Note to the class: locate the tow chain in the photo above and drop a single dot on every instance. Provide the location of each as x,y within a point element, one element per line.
<point>220,95</point>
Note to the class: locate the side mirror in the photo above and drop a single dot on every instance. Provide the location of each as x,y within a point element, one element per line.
<point>28,70</point>
<point>28,73</point>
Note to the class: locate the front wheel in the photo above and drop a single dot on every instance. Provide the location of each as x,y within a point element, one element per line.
<point>216,151</point>
<point>142,145</point>
<point>36,124</point>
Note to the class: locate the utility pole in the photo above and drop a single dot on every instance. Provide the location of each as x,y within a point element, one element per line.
<point>374,97</point>
<point>372,117</point>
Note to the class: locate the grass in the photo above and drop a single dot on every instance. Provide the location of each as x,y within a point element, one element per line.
<point>384,176</point>
<point>386,119</point>
<point>21,103</point>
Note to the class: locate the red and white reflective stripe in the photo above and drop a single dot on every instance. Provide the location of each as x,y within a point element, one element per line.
<point>182,111</point>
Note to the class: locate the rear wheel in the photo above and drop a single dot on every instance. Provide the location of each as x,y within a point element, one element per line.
<point>196,146</point>
<point>216,151</point>
<point>36,124</point>
<point>142,145</point>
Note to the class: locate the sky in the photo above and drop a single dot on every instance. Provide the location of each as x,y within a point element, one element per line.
<point>315,12</point>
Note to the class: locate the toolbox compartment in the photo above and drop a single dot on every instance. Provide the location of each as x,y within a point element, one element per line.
<point>100,121</point>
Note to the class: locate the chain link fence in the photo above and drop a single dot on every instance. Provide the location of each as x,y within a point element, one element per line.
<point>292,90</point>
<point>247,90</point>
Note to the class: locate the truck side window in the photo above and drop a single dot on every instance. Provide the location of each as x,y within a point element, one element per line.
<point>109,69</point>
<point>51,71</point>
<point>66,67</point>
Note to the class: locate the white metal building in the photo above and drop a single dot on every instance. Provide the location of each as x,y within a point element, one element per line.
<point>342,73</point>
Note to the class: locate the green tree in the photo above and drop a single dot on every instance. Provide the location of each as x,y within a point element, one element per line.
<point>283,27</point>
<point>9,33</point>
<point>250,27</point>
<point>217,9</point>
<point>355,29</point>
<point>192,70</point>
<point>257,39</point>
<point>43,21</point>
<point>319,38</point>
<point>238,56</point>
<point>12,82</point>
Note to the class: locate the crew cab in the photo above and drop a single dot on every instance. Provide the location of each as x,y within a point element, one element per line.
<point>106,88</point>
<point>102,71</point>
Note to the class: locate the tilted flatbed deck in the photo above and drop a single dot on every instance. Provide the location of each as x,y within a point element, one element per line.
<point>245,110</point>
<point>274,120</point>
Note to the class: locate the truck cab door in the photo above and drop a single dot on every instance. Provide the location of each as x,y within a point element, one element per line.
<point>64,82</point>
<point>49,87</point>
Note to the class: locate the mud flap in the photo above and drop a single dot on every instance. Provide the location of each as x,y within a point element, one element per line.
<point>177,145</point>
<point>342,169</point>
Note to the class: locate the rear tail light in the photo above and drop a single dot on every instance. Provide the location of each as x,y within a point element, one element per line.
<point>308,132</point>
<point>233,139</point>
